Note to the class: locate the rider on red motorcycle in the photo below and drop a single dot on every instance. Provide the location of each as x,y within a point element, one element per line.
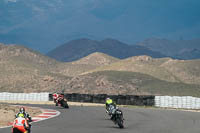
<point>60,100</point>
<point>57,98</point>
<point>20,124</point>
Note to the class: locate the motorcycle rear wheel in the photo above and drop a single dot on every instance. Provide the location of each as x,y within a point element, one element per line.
<point>64,104</point>
<point>15,130</point>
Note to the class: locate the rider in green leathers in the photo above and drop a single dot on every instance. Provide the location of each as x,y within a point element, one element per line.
<point>109,102</point>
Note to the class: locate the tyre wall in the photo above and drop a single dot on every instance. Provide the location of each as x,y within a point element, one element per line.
<point>184,102</point>
<point>119,99</point>
<point>24,96</point>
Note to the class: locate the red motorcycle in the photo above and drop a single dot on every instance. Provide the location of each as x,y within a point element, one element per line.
<point>61,101</point>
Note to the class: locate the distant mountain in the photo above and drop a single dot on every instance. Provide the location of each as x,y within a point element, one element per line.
<point>80,48</point>
<point>179,49</point>
<point>188,53</point>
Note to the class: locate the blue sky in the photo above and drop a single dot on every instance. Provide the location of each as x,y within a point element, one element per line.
<point>46,24</point>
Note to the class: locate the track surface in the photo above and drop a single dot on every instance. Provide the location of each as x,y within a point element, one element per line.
<point>95,120</point>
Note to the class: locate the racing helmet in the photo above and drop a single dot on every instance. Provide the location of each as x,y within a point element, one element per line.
<point>108,98</point>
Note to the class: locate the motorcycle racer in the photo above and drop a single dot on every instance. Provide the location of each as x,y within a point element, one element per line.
<point>109,102</point>
<point>21,124</point>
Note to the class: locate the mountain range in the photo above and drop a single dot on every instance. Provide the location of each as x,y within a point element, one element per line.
<point>25,70</point>
<point>154,47</point>
<point>178,49</point>
<point>76,49</point>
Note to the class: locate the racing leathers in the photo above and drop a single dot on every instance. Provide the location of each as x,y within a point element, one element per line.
<point>108,103</point>
<point>21,124</point>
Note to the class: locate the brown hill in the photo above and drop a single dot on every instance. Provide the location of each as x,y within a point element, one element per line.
<point>97,58</point>
<point>20,53</point>
<point>23,70</point>
<point>163,68</point>
<point>85,64</point>
<point>187,71</point>
<point>131,83</point>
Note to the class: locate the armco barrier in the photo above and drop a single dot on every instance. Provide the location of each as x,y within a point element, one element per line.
<point>119,99</point>
<point>24,96</point>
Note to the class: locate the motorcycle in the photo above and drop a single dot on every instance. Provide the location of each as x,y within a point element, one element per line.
<point>62,102</point>
<point>116,115</point>
<point>118,118</point>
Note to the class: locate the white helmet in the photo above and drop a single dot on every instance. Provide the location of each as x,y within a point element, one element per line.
<point>107,98</point>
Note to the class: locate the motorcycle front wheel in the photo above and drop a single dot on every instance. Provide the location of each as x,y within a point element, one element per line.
<point>120,123</point>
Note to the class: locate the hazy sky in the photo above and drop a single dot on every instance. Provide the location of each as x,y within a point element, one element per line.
<point>45,24</point>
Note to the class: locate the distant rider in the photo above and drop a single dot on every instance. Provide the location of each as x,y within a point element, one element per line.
<point>21,124</point>
<point>59,98</point>
<point>111,108</point>
<point>109,102</point>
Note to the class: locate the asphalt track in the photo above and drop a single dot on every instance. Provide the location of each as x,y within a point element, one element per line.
<point>94,120</point>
